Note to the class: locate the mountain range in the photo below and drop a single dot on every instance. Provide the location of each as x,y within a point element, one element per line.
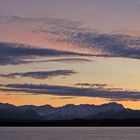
<point>67,112</point>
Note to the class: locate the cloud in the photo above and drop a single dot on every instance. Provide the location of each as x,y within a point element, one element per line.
<point>110,45</point>
<point>63,98</point>
<point>115,94</point>
<point>68,60</point>
<point>12,53</point>
<point>91,85</point>
<point>40,74</point>
<point>98,43</point>
<point>49,21</point>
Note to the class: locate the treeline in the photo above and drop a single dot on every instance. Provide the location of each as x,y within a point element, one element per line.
<point>71,123</point>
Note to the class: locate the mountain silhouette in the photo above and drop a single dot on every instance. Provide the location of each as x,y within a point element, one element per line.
<point>70,112</point>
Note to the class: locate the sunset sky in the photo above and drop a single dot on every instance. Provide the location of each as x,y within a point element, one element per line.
<point>61,52</point>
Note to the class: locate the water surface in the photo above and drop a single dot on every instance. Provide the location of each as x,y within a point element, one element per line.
<point>69,133</point>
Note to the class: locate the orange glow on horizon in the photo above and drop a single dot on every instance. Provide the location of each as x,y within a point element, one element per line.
<point>57,101</point>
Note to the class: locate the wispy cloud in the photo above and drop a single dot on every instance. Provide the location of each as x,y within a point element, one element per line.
<point>99,44</point>
<point>69,60</point>
<point>112,94</point>
<point>63,30</point>
<point>40,74</point>
<point>12,53</point>
<point>110,45</point>
<point>91,85</point>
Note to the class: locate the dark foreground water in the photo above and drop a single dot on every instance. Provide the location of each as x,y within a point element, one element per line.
<point>69,133</point>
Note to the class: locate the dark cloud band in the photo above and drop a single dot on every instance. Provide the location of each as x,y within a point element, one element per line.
<point>12,53</point>
<point>40,74</point>
<point>99,44</point>
<point>113,94</point>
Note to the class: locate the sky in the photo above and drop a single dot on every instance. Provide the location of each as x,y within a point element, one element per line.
<point>60,52</point>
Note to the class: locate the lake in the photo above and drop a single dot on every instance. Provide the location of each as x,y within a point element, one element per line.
<point>69,133</point>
